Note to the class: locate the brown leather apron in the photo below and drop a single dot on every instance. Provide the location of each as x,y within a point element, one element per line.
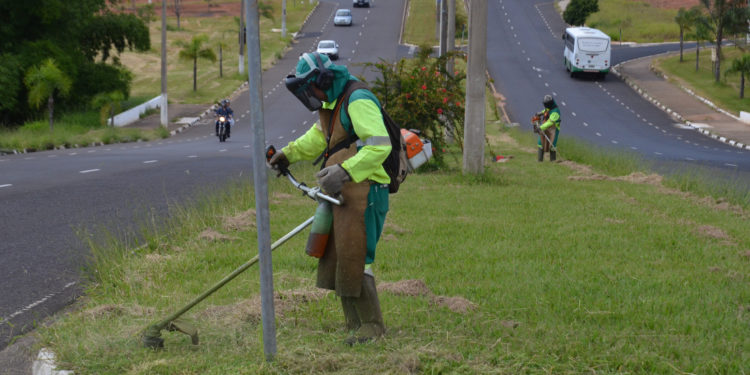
<point>342,266</point>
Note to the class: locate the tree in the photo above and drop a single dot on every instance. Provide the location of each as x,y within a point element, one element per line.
<point>577,11</point>
<point>686,20</point>
<point>222,45</point>
<point>43,82</point>
<point>83,37</point>
<point>701,32</point>
<point>108,103</point>
<point>740,65</point>
<point>194,50</point>
<point>723,15</point>
<point>178,11</point>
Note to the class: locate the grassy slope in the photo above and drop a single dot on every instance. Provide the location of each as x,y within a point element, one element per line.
<point>595,274</point>
<point>725,94</point>
<point>640,22</point>
<point>146,66</point>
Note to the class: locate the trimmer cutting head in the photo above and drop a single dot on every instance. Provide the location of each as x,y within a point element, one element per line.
<point>151,337</point>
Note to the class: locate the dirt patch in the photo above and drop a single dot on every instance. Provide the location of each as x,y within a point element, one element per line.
<point>117,310</point>
<point>409,288</point>
<point>416,287</point>
<point>745,254</point>
<point>395,228</point>
<point>242,221</point>
<point>157,258</point>
<point>212,235</point>
<point>713,232</point>
<point>191,8</point>
<point>249,310</point>
<point>671,4</point>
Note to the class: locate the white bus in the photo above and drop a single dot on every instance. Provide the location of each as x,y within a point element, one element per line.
<point>587,50</point>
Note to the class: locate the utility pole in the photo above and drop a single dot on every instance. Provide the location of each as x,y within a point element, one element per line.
<point>451,38</point>
<point>283,18</point>
<point>260,178</point>
<point>474,132</point>
<point>443,27</point>
<point>241,56</point>
<point>164,103</point>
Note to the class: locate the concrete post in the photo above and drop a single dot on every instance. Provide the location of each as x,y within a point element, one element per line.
<point>474,117</point>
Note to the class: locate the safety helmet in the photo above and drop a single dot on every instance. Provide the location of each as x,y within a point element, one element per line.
<point>225,103</point>
<point>548,101</point>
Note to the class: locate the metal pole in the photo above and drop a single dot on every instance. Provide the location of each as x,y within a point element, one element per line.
<point>451,39</point>
<point>164,103</point>
<point>475,89</point>
<point>241,55</point>
<point>283,18</point>
<point>260,178</point>
<point>443,27</point>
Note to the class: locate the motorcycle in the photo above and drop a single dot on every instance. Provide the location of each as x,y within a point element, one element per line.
<point>222,133</point>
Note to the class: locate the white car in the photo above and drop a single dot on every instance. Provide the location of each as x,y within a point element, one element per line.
<point>330,48</point>
<point>343,17</point>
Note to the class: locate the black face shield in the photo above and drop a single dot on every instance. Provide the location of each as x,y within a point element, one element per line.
<point>301,87</point>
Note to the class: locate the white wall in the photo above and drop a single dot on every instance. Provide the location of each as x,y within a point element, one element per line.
<point>133,114</point>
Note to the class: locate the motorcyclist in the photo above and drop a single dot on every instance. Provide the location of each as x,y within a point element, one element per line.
<point>550,118</point>
<point>356,172</point>
<point>227,112</point>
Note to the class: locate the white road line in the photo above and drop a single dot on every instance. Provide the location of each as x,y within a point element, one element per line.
<point>34,304</point>
<point>246,146</point>
<point>51,156</point>
<point>585,124</point>
<point>613,141</point>
<point>658,153</point>
<point>192,156</point>
<point>73,153</point>
<point>89,171</point>
<point>598,134</point>
<point>91,151</point>
<point>149,161</point>
<point>29,158</point>
<point>730,165</point>
<point>223,150</point>
<point>6,185</point>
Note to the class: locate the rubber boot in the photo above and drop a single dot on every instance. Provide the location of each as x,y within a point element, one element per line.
<point>552,155</point>
<point>540,155</point>
<point>350,313</point>
<point>368,309</point>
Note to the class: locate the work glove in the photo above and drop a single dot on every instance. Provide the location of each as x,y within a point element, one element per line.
<point>331,179</point>
<point>279,162</point>
<point>536,128</point>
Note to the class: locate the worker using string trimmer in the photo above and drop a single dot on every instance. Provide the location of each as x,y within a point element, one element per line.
<point>546,123</point>
<point>352,169</point>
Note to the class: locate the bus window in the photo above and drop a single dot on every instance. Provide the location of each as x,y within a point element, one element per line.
<point>592,44</point>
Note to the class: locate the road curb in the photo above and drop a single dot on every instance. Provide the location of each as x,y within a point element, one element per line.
<point>44,364</point>
<point>674,114</point>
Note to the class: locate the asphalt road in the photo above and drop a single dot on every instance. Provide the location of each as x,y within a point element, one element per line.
<point>54,201</point>
<point>526,62</point>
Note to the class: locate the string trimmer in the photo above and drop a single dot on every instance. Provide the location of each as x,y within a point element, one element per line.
<point>152,334</point>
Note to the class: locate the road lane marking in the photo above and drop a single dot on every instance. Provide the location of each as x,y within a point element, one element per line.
<point>36,303</point>
<point>89,171</point>
<point>223,150</point>
<point>192,156</point>
<point>730,165</point>
<point>5,185</point>
<point>149,161</point>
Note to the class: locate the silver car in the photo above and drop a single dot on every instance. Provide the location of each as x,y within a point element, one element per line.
<point>343,17</point>
<point>330,48</point>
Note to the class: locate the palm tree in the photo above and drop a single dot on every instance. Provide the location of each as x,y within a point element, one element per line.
<point>701,33</point>
<point>108,103</point>
<point>723,15</point>
<point>686,20</point>
<point>194,50</point>
<point>740,65</point>
<point>222,45</point>
<point>43,82</point>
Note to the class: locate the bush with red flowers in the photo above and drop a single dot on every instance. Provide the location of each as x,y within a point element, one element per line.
<point>420,94</point>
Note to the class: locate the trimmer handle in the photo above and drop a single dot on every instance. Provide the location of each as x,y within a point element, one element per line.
<point>270,152</point>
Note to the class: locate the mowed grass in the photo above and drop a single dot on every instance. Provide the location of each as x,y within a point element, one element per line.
<point>725,93</point>
<point>421,24</point>
<point>529,268</point>
<point>146,67</point>
<point>638,20</point>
